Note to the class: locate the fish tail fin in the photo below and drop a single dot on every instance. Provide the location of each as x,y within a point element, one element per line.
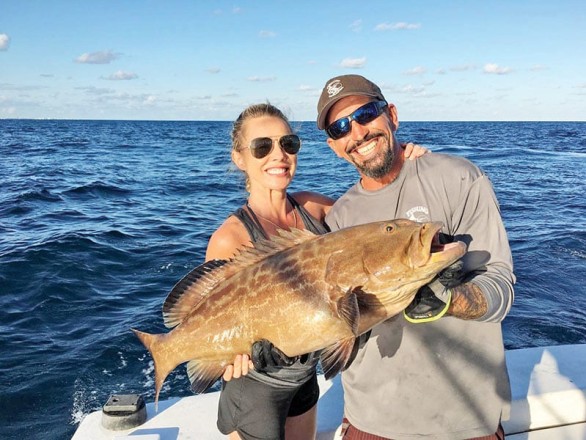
<point>162,366</point>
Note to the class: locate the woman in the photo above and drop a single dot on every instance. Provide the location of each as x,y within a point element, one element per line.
<point>278,402</point>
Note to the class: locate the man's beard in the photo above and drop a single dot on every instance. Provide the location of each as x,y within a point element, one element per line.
<point>379,166</point>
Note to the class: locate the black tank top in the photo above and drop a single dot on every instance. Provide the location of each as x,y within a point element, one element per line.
<point>304,366</point>
<point>256,231</point>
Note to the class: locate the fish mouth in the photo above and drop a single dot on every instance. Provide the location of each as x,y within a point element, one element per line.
<point>444,253</point>
<point>431,251</point>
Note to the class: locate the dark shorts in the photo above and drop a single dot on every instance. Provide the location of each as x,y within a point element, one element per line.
<point>258,410</point>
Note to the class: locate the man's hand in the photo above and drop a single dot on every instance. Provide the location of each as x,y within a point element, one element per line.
<point>433,300</point>
<point>413,151</point>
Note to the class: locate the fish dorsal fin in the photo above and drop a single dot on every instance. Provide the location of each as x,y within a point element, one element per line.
<point>266,247</point>
<point>295,236</point>
<point>196,286</point>
<point>336,357</point>
<point>203,375</point>
<point>192,289</point>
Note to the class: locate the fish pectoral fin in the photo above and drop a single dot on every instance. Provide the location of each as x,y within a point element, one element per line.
<point>337,357</point>
<point>203,375</point>
<point>349,311</point>
<point>368,302</point>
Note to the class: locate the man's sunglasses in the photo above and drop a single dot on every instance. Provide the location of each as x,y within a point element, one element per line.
<point>363,115</point>
<point>262,146</point>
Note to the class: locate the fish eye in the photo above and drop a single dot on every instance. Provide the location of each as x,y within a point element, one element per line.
<point>389,228</point>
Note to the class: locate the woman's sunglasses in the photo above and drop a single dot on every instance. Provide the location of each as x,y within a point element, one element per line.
<point>262,146</point>
<point>363,115</point>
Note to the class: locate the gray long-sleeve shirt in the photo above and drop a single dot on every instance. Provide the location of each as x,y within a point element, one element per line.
<point>445,379</point>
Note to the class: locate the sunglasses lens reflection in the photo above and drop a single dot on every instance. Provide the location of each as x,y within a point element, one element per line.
<point>290,143</point>
<point>363,115</point>
<point>262,147</point>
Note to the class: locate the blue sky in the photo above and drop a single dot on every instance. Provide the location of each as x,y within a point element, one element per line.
<point>207,60</point>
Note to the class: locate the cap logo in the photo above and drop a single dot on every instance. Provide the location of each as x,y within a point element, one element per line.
<point>334,88</point>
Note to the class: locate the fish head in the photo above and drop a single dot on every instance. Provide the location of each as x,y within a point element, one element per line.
<point>404,252</point>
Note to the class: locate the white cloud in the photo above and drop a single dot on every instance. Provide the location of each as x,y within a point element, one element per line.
<point>267,34</point>
<point>356,26</point>
<point>419,70</point>
<point>261,78</point>
<point>121,75</point>
<point>20,88</point>
<point>236,10</point>
<point>538,68</point>
<point>8,111</point>
<point>496,69</point>
<point>353,63</point>
<point>149,100</point>
<point>4,41</point>
<point>100,57</point>
<point>91,90</point>
<point>411,89</point>
<point>463,68</point>
<point>213,70</point>
<point>306,88</point>
<point>130,100</point>
<point>401,26</point>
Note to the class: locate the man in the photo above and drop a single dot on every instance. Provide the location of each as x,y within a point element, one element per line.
<point>438,371</point>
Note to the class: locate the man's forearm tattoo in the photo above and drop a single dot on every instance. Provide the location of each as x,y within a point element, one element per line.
<point>468,302</point>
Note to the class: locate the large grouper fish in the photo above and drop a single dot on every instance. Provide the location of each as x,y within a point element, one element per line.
<point>301,291</point>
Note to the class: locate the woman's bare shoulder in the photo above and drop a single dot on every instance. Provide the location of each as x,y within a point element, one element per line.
<point>227,239</point>
<point>316,204</point>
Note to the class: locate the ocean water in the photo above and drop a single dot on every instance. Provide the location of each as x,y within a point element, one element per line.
<point>99,219</point>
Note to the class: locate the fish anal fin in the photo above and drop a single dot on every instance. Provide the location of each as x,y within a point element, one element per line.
<point>337,357</point>
<point>203,375</point>
<point>349,310</point>
<point>191,290</point>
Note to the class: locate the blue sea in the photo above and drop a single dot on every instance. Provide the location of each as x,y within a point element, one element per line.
<point>99,219</point>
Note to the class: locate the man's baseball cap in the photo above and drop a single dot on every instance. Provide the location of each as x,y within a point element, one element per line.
<point>340,87</point>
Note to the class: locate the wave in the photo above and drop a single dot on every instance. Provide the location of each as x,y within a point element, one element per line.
<point>98,189</point>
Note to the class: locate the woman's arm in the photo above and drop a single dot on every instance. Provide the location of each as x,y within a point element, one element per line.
<point>223,244</point>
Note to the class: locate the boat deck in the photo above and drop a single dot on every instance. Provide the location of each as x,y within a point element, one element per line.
<point>548,389</point>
